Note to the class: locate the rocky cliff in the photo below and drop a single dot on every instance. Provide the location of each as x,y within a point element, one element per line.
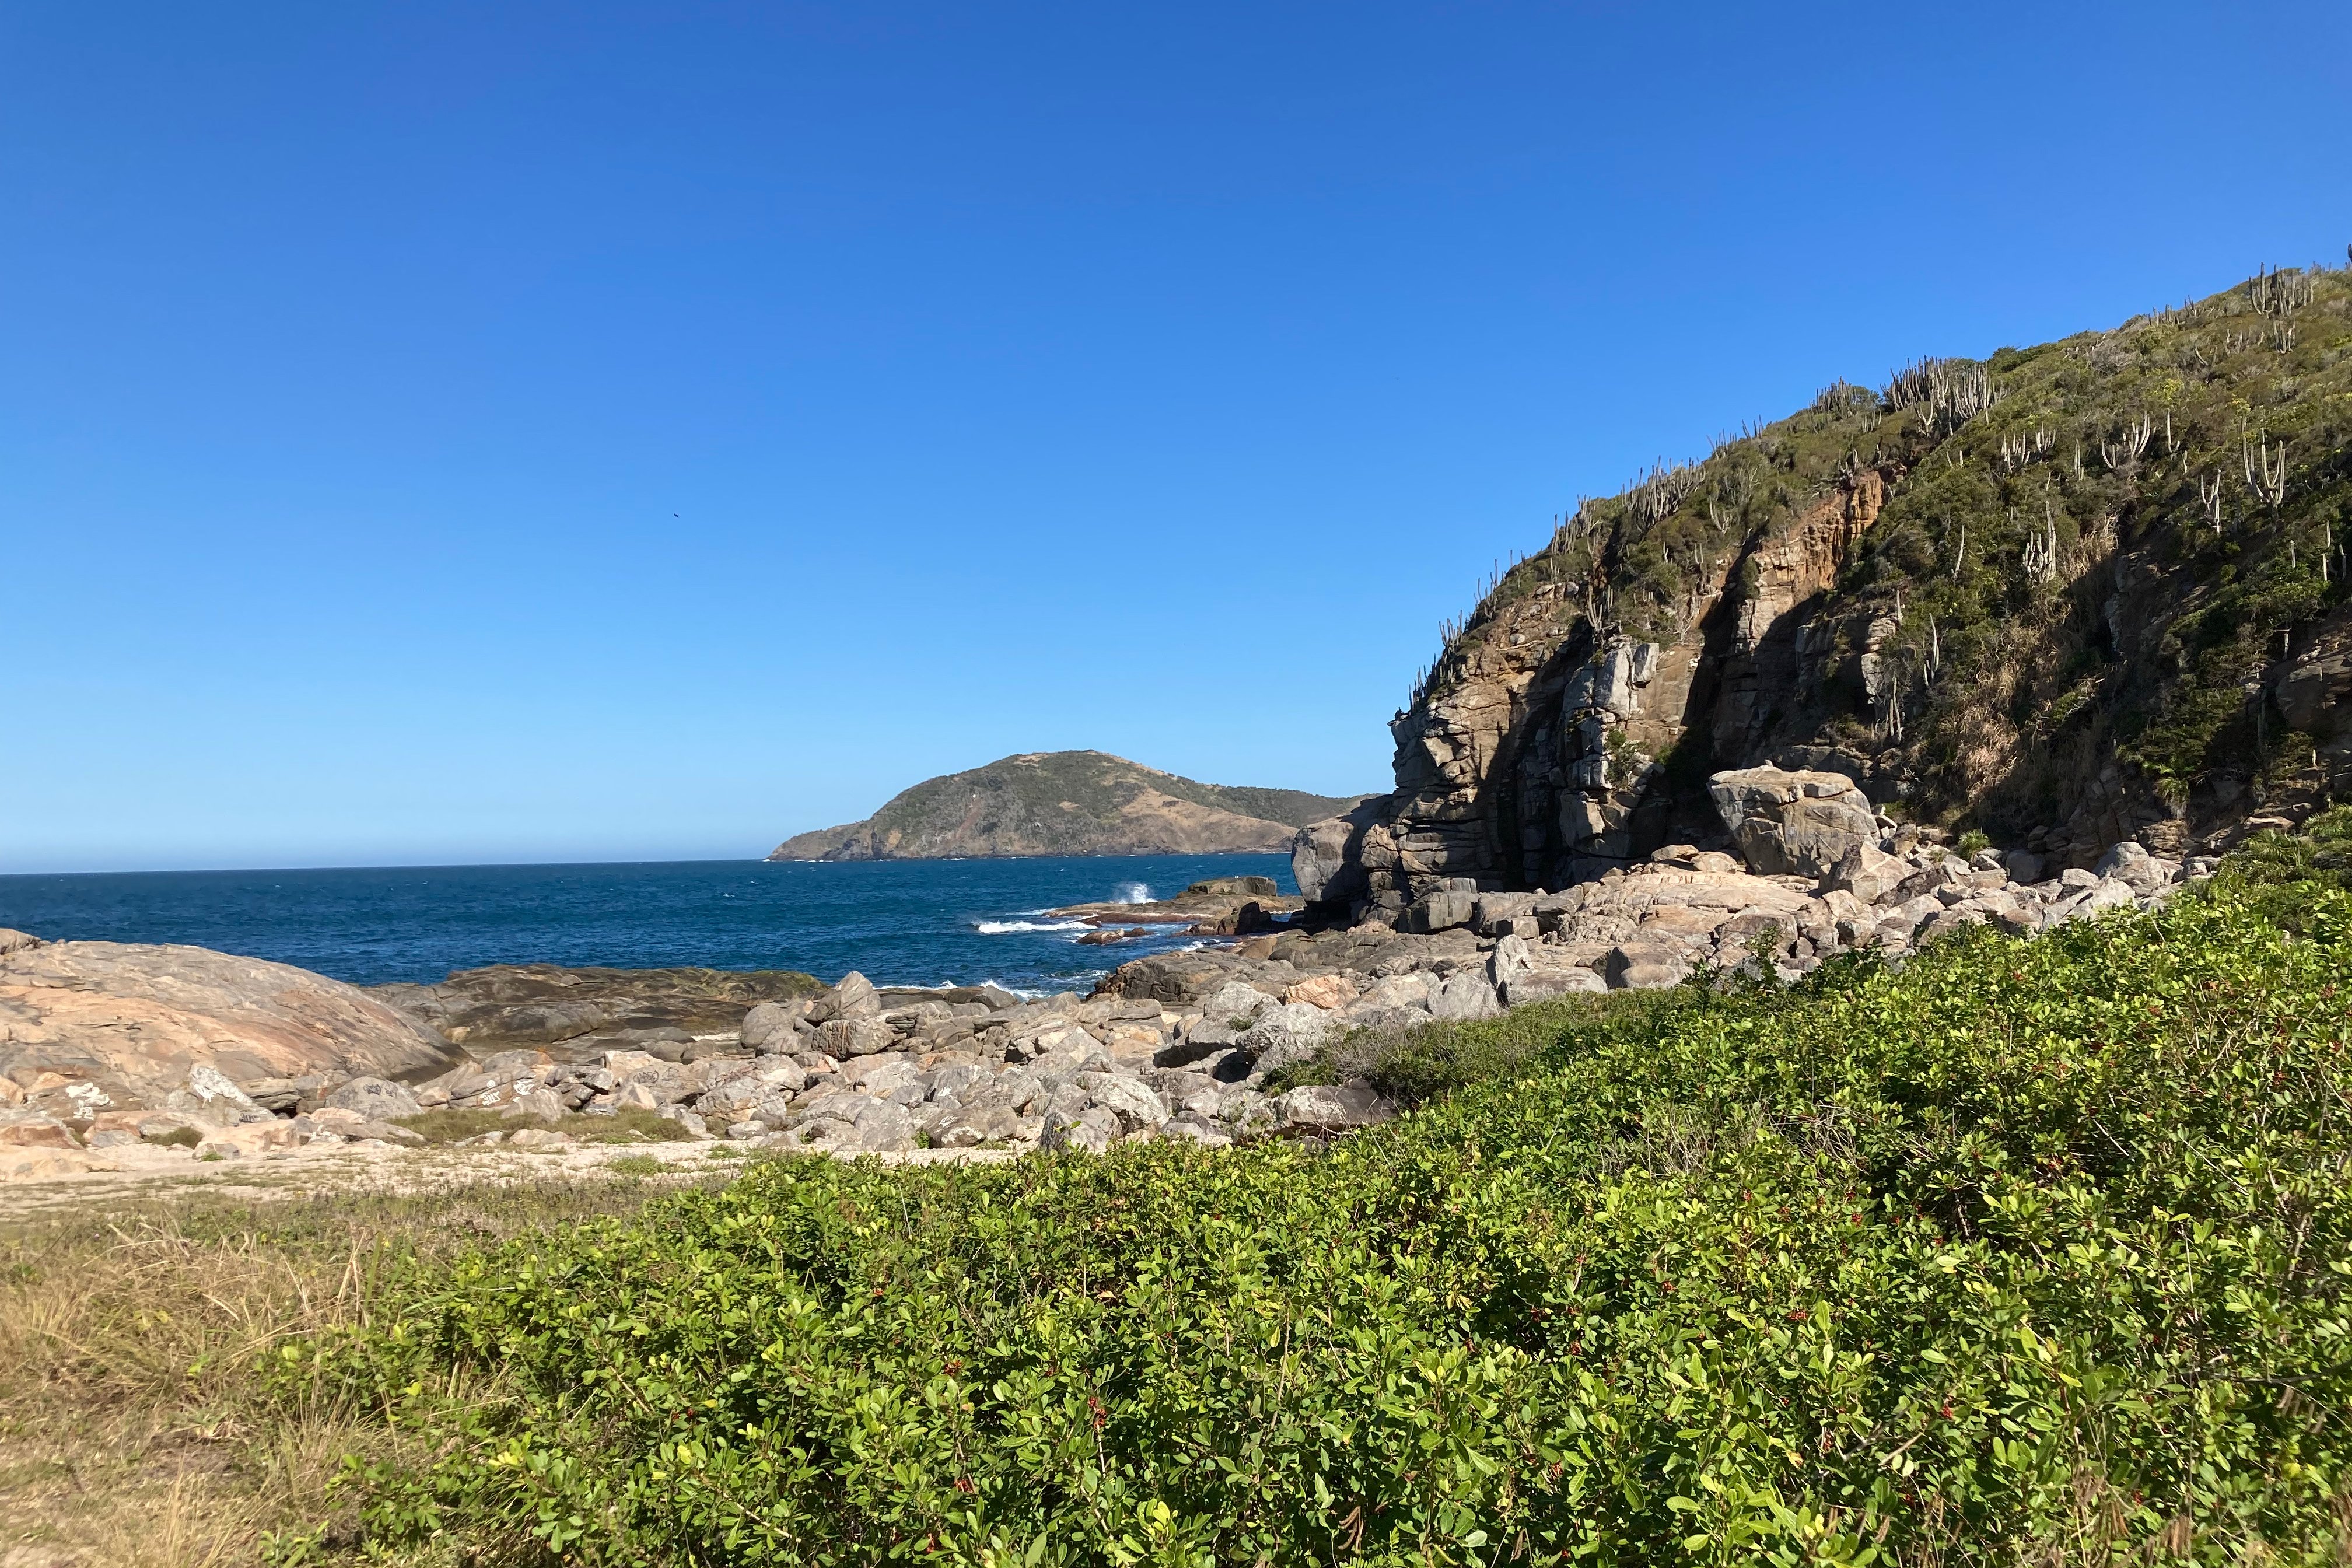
<point>1067,803</point>
<point>2065,597</point>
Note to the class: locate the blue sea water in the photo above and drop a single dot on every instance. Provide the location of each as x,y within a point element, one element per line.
<point>903,922</point>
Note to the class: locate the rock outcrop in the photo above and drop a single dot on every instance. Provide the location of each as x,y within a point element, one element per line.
<point>587,1010</point>
<point>87,1027</point>
<point>2000,595</point>
<point>1067,802</point>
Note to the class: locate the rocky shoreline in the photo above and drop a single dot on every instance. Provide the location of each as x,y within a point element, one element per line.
<point>1177,1045</point>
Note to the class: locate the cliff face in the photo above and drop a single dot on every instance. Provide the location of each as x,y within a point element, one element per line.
<point>1067,802</point>
<point>2069,596</point>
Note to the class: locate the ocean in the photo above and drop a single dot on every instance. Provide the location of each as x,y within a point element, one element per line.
<point>902,922</point>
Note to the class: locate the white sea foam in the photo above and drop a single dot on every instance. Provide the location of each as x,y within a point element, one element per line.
<point>1134,893</point>
<point>1006,928</point>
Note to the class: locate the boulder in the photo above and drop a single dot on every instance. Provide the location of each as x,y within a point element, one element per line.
<point>32,1129</point>
<point>375,1098</point>
<point>1329,992</point>
<point>1538,985</point>
<point>853,996</point>
<point>1326,856</point>
<point>2131,864</point>
<point>2021,866</point>
<point>1127,1098</point>
<point>131,1021</point>
<point>540,1103</point>
<point>843,1038</point>
<point>1285,1034</point>
<point>210,1099</point>
<point>1090,1129</point>
<point>1440,911</point>
<point>1323,1109</point>
<point>1234,887</point>
<point>1463,996</point>
<point>634,1096</point>
<point>1493,912</point>
<point>1866,872</point>
<point>1508,960</point>
<point>1793,823</point>
<point>773,1028</point>
<point>1638,968</point>
<point>1225,1019</point>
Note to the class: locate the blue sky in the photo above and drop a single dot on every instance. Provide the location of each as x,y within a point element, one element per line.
<point>515,432</point>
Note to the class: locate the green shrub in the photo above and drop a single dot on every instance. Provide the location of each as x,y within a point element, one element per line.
<point>2031,1251</point>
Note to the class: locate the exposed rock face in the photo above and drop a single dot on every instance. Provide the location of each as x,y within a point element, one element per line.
<point>1933,590</point>
<point>1539,762</point>
<point>1067,802</point>
<point>98,1025</point>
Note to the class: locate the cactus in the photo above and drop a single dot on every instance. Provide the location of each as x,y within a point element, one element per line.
<point>2265,477</point>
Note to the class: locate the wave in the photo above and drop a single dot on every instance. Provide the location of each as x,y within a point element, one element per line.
<point>1134,893</point>
<point>1005,928</point>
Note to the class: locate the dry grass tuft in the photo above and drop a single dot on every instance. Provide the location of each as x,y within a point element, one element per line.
<point>134,1429</point>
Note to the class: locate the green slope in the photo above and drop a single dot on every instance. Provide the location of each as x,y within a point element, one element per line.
<point>1054,803</point>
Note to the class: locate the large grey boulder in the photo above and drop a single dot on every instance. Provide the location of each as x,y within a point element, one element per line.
<point>852,996</point>
<point>374,1099</point>
<point>1494,913</point>
<point>1091,1130</point>
<point>845,1038</point>
<point>883,1127</point>
<point>208,1096</point>
<point>1225,1019</point>
<point>1868,872</point>
<point>1633,967</point>
<point>2131,864</point>
<point>774,1026</point>
<point>1508,960</point>
<point>1793,823</point>
<point>1285,1034</point>
<point>1127,1098</point>
<point>1542,984</point>
<point>1325,856</point>
<point>1441,911</point>
<point>1323,1109</point>
<point>1464,994</point>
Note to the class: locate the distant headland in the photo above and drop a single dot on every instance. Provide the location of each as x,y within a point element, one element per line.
<point>1068,803</point>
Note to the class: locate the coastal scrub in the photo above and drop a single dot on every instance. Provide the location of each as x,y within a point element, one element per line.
<point>2029,1250</point>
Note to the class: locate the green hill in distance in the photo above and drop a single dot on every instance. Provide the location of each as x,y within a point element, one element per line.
<point>1068,803</point>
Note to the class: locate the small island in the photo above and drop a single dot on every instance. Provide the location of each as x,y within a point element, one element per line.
<point>1069,803</point>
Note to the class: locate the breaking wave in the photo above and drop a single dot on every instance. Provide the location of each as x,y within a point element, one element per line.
<point>1134,893</point>
<point>1006,928</point>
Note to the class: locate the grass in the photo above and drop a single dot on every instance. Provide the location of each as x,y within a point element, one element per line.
<point>135,1430</point>
<point>631,1126</point>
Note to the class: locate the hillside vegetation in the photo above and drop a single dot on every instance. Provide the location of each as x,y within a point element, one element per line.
<point>1067,803</point>
<point>2034,1250</point>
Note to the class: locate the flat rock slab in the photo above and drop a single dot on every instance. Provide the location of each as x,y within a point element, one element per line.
<point>133,1020</point>
<point>510,1005</point>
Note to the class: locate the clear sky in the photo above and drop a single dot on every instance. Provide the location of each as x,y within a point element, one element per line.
<point>446,432</point>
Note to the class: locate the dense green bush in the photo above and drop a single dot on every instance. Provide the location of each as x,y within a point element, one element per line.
<point>2031,1251</point>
